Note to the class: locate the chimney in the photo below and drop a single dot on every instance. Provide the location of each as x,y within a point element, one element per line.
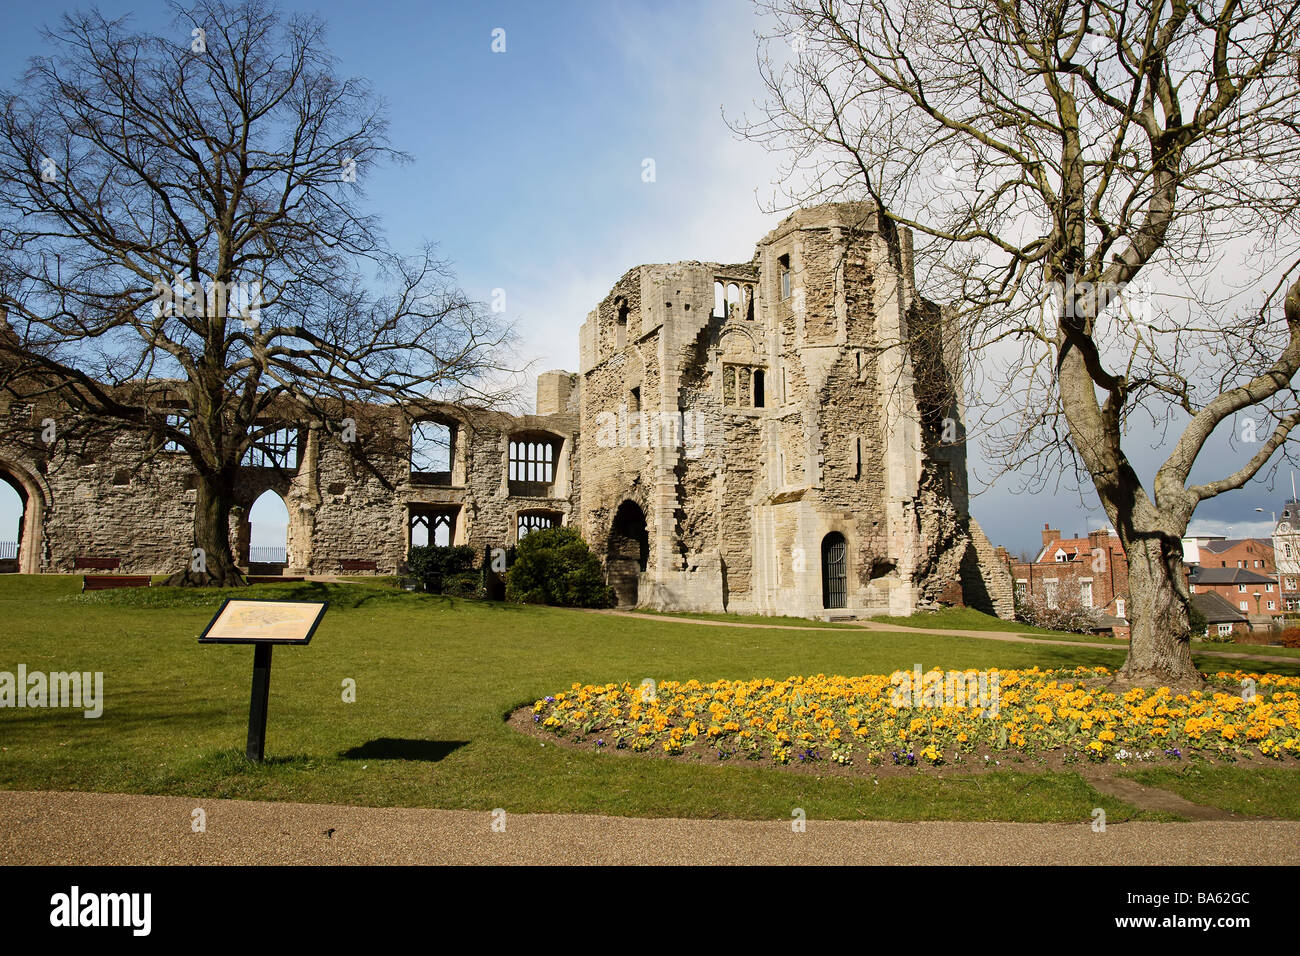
<point>553,391</point>
<point>1000,553</point>
<point>1099,540</point>
<point>1050,534</point>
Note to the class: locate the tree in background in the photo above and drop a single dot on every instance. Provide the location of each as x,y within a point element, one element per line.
<point>1051,158</point>
<point>183,249</point>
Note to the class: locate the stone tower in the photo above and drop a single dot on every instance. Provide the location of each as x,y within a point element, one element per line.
<point>783,436</point>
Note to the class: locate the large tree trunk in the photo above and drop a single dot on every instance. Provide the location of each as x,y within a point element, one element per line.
<point>1160,651</point>
<point>212,564</point>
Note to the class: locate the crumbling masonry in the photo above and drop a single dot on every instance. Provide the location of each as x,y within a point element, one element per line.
<point>782,436</point>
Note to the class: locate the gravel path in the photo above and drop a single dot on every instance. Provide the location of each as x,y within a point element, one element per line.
<point>102,828</point>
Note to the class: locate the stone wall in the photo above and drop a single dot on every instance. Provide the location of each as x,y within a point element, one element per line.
<point>779,436</point>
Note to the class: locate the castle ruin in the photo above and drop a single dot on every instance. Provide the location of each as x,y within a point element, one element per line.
<point>781,436</point>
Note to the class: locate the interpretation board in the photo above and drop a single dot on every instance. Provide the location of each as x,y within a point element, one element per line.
<point>262,624</point>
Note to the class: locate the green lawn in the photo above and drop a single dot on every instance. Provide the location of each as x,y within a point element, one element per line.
<point>967,619</point>
<point>759,619</point>
<point>434,678</point>
<point>1264,792</point>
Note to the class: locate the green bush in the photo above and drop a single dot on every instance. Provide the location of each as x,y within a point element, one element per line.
<point>555,566</point>
<point>432,565</point>
<point>466,584</point>
<point>1196,620</point>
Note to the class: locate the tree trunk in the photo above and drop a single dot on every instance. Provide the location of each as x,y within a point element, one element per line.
<point>212,564</point>
<point>1160,650</point>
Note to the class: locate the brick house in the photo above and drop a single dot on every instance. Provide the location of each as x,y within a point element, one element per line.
<point>1250,554</point>
<point>1254,595</point>
<point>1091,571</point>
<point>1222,618</point>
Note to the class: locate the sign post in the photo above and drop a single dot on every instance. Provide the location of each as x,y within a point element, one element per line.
<point>262,624</point>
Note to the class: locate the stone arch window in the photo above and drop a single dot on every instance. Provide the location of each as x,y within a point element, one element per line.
<point>733,301</point>
<point>535,520</point>
<point>274,449</point>
<point>532,464</point>
<point>432,525</point>
<point>433,451</point>
<point>783,273</point>
<point>743,386</point>
<point>719,301</point>
<point>268,531</point>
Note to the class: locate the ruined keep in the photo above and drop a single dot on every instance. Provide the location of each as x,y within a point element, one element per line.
<point>782,436</point>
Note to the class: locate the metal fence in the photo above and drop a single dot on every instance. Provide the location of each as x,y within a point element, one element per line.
<point>8,550</point>
<point>268,555</point>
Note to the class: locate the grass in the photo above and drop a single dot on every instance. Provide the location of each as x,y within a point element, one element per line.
<point>1257,792</point>
<point>967,619</point>
<point>434,678</point>
<point>756,619</point>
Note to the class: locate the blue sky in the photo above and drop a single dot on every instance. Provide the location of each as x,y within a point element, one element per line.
<point>528,166</point>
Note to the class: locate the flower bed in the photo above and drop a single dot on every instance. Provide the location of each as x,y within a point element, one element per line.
<point>847,720</point>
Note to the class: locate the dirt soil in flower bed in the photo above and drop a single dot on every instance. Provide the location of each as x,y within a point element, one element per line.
<point>521,719</point>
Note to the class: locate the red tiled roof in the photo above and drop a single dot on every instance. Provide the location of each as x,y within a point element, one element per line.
<point>1076,547</point>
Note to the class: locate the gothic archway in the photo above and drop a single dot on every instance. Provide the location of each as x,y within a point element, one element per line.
<point>628,552</point>
<point>835,571</point>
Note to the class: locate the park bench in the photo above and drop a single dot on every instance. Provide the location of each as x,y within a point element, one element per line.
<point>96,564</point>
<point>352,564</point>
<point>105,582</point>
<point>269,579</point>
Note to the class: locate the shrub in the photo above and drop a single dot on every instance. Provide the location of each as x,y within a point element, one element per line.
<point>1066,616</point>
<point>1199,625</point>
<point>466,584</point>
<point>555,566</point>
<point>1290,637</point>
<point>433,564</point>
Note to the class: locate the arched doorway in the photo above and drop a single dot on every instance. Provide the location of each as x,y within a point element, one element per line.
<point>835,571</point>
<point>12,508</point>
<point>22,524</point>
<point>629,550</point>
<point>268,534</point>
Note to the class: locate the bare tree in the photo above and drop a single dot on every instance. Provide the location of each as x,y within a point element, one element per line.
<point>181,217</point>
<point>1106,194</point>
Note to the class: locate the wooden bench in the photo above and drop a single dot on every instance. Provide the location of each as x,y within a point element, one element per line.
<point>269,579</point>
<point>351,564</point>
<point>96,564</point>
<point>105,582</point>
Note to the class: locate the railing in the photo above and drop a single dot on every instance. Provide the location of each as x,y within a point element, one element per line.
<point>268,555</point>
<point>8,550</point>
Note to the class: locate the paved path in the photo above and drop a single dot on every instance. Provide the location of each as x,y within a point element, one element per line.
<point>93,828</point>
<point>1011,636</point>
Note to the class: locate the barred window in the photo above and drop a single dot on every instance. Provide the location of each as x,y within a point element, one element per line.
<point>432,526</point>
<point>278,449</point>
<point>532,461</point>
<point>535,521</point>
<point>180,422</point>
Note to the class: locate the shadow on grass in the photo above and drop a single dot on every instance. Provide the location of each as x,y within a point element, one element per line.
<point>232,761</point>
<point>394,748</point>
